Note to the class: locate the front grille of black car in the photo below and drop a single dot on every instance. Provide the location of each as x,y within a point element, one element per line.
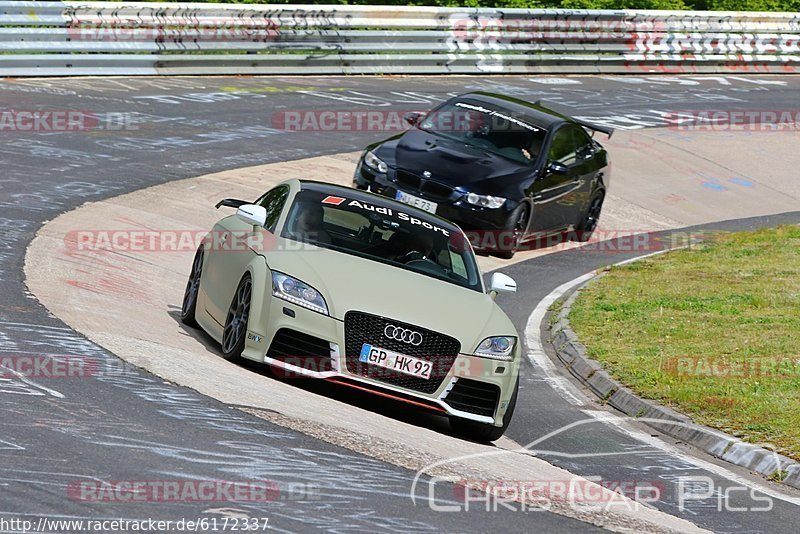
<point>303,350</point>
<point>439,349</point>
<point>412,183</point>
<point>408,180</point>
<point>473,396</point>
<point>436,191</point>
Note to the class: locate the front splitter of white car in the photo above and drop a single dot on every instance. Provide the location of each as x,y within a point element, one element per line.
<point>304,343</point>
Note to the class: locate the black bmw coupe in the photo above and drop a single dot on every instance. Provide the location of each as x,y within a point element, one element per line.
<point>507,171</point>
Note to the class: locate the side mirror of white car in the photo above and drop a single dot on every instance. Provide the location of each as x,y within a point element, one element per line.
<point>252,214</point>
<point>502,283</point>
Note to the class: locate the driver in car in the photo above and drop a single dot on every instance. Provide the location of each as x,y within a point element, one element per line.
<point>308,224</point>
<point>420,249</point>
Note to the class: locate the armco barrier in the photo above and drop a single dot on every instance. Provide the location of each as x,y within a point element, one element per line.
<point>101,38</point>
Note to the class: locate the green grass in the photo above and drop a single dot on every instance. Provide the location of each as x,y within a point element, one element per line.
<point>712,331</point>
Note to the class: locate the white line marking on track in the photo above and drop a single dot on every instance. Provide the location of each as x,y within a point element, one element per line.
<point>31,383</point>
<point>536,353</point>
<point>619,423</point>
<point>7,445</point>
<point>574,396</point>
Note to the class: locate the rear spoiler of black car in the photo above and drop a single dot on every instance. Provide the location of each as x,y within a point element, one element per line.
<point>596,127</point>
<point>590,125</point>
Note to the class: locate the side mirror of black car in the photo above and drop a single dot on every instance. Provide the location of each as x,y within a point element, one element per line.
<point>555,167</point>
<point>413,117</point>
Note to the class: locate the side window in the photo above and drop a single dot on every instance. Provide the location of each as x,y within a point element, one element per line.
<point>273,201</point>
<point>457,265</point>
<point>536,144</point>
<point>562,147</point>
<point>583,143</point>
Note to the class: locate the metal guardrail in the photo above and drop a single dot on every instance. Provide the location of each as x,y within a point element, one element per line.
<point>100,38</point>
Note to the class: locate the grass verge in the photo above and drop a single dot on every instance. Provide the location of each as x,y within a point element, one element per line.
<point>712,331</point>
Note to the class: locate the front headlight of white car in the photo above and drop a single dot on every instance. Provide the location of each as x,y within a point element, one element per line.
<point>485,201</point>
<point>374,162</point>
<point>293,290</point>
<point>497,348</point>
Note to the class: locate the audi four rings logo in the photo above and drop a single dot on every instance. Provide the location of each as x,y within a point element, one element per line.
<point>403,334</point>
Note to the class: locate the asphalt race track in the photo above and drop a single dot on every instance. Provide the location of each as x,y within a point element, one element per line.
<point>125,424</point>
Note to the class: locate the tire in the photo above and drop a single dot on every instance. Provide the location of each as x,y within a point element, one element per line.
<point>584,230</point>
<point>517,222</point>
<point>189,306</point>
<point>234,333</point>
<point>484,432</point>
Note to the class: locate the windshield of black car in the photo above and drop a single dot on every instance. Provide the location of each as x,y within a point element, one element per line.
<point>478,125</point>
<point>383,233</point>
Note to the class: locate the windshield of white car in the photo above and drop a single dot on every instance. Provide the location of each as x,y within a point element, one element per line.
<point>384,233</point>
<point>479,126</point>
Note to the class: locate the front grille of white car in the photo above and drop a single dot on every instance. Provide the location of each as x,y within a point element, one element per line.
<point>473,396</point>
<point>439,349</point>
<point>302,350</point>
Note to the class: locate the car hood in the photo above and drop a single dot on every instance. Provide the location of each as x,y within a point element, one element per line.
<point>351,283</point>
<point>452,162</point>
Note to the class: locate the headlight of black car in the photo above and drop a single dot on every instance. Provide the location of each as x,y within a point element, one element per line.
<point>485,201</point>
<point>374,162</point>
